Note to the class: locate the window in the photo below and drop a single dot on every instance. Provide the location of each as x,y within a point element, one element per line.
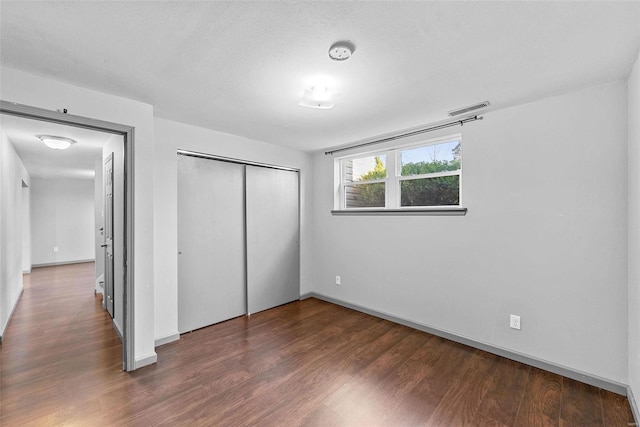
<point>418,176</point>
<point>365,181</point>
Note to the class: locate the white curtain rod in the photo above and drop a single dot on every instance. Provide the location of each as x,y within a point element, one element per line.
<point>408,134</point>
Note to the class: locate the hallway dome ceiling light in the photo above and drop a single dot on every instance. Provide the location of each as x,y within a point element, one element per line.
<point>56,142</point>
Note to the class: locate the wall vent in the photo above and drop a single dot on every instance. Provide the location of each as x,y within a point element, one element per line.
<point>468,109</point>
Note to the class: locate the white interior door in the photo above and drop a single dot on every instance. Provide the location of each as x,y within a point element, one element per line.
<point>211,259</point>
<point>273,237</point>
<point>108,236</point>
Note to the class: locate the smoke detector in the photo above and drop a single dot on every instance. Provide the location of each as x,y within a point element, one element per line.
<point>341,51</point>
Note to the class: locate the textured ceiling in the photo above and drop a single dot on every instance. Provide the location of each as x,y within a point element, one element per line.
<point>241,67</point>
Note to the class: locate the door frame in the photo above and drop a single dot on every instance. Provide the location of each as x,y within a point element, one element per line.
<point>127,132</point>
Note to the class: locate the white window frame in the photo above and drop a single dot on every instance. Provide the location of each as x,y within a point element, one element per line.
<point>393,180</point>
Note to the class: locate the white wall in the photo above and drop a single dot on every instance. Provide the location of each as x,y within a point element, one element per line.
<point>28,89</point>
<point>12,174</point>
<point>545,237</point>
<point>633,135</point>
<point>62,216</point>
<point>171,136</point>
<point>98,195</point>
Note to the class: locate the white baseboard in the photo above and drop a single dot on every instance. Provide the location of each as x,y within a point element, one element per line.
<point>565,371</point>
<point>634,406</point>
<point>52,264</point>
<point>167,339</point>
<point>144,361</point>
<point>4,328</point>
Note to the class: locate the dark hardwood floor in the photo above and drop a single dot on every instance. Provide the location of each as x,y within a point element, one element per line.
<point>306,363</point>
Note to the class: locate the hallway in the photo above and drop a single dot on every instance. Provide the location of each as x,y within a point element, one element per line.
<point>59,345</point>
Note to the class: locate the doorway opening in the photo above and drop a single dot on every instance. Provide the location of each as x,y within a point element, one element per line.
<point>123,188</point>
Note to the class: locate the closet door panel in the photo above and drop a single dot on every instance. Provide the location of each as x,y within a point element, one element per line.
<point>273,255</point>
<point>211,260</point>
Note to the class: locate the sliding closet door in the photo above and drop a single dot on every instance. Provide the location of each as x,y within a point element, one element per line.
<point>273,255</point>
<point>211,261</point>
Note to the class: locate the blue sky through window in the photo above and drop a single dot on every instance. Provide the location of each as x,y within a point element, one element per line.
<point>435,152</point>
<point>439,152</point>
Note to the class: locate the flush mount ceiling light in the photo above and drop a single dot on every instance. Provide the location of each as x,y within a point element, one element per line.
<point>341,51</point>
<point>56,142</point>
<point>319,96</point>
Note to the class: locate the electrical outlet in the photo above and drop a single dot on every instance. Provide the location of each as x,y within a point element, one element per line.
<point>514,322</point>
<point>338,281</point>
<point>55,249</point>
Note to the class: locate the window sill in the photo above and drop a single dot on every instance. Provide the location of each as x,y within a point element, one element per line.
<point>452,211</point>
